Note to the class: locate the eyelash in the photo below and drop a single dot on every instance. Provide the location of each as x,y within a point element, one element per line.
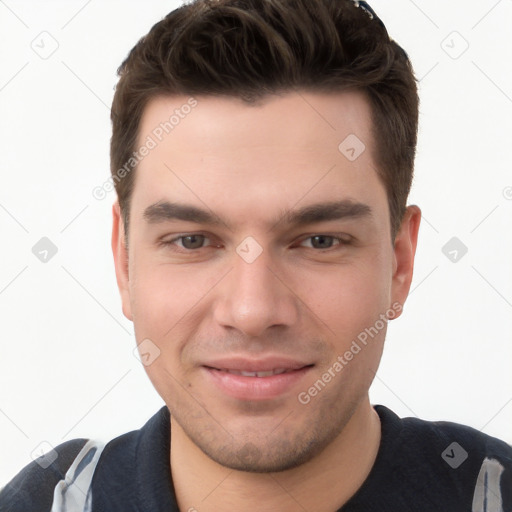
<point>340,239</point>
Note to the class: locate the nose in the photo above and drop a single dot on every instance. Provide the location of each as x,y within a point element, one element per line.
<point>255,296</point>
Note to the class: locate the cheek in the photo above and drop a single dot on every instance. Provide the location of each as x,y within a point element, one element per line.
<point>160,305</point>
<point>167,301</point>
<point>150,299</point>
<point>350,296</point>
<point>156,300</point>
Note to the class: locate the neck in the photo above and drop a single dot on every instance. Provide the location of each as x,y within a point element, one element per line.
<point>323,484</point>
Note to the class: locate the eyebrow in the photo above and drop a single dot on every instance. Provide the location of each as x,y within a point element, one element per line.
<point>165,211</point>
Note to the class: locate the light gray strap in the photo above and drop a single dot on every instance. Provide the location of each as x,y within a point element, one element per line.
<point>487,497</point>
<point>73,494</point>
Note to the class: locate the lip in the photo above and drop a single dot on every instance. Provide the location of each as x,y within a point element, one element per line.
<point>256,365</point>
<point>255,388</point>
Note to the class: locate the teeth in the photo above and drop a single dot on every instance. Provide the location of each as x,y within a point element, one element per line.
<point>258,374</point>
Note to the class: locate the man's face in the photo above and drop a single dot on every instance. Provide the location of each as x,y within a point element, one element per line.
<point>259,291</point>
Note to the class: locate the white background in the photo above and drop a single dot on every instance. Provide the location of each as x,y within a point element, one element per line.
<point>66,364</point>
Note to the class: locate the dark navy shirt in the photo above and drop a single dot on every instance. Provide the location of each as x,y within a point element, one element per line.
<point>421,466</point>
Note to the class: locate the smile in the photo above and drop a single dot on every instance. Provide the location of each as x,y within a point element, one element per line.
<point>267,373</point>
<point>255,383</point>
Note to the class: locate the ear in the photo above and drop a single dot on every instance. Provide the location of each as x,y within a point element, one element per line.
<point>403,255</point>
<point>120,252</point>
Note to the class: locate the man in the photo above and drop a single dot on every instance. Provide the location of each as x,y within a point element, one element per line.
<point>262,154</point>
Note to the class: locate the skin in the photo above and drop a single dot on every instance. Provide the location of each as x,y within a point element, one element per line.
<point>249,165</point>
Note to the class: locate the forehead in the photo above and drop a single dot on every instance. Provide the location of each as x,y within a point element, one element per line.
<point>229,156</point>
<point>300,118</point>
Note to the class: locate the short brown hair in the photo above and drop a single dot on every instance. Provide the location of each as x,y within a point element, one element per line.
<point>252,48</point>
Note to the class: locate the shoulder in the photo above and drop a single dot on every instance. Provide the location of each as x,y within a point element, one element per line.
<point>32,488</point>
<point>458,442</point>
<point>453,457</point>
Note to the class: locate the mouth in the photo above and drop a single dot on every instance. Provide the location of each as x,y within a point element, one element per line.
<point>256,380</point>
<point>267,373</point>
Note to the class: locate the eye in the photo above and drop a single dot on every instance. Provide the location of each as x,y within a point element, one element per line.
<point>326,241</point>
<point>188,242</point>
<point>192,241</point>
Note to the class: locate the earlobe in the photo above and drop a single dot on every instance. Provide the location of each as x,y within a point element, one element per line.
<point>403,254</point>
<point>120,253</point>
